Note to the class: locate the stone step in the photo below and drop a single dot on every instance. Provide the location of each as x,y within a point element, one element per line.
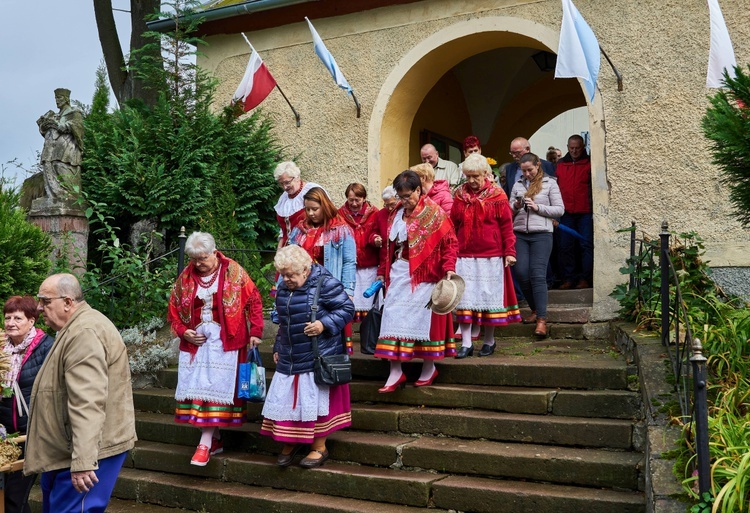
<point>618,404</point>
<point>213,496</point>
<point>333,479</point>
<point>397,459</point>
<point>494,496</point>
<point>564,313</point>
<point>115,505</point>
<point>578,364</point>
<point>469,424</point>
<point>570,297</point>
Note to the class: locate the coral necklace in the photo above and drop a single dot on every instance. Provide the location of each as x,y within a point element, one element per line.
<point>211,279</point>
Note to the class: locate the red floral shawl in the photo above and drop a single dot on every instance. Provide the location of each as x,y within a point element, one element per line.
<point>239,301</point>
<point>359,225</point>
<point>470,209</point>
<point>311,237</point>
<point>426,227</point>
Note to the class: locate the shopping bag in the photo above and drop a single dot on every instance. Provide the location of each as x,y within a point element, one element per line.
<point>369,330</point>
<point>252,378</point>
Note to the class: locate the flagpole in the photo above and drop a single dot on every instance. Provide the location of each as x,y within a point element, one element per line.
<point>617,73</point>
<point>296,114</point>
<point>355,102</point>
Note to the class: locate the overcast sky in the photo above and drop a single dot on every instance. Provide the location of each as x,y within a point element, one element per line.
<point>45,44</point>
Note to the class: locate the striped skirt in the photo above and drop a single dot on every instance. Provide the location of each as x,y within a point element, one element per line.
<point>487,300</point>
<point>297,410</point>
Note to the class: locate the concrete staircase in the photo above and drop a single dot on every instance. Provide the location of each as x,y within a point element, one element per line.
<point>540,426</point>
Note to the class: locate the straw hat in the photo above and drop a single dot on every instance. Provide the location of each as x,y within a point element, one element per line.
<point>446,294</point>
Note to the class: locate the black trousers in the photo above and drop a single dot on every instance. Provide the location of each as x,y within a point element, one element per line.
<point>17,488</point>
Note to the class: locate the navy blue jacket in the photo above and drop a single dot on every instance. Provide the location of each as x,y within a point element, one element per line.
<point>335,310</point>
<point>9,416</point>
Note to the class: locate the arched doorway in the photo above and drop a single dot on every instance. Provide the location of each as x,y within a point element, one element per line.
<point>515,107</point>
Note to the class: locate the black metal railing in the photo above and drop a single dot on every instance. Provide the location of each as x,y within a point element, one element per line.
<point>683,347</point>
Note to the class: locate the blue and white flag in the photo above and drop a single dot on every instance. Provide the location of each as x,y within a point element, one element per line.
<point>578,51</point>
<point>328,61</point>
<point>721,54</point>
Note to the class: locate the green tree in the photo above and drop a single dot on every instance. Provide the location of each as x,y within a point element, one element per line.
<point>727,125</point>
<point>24,247</point>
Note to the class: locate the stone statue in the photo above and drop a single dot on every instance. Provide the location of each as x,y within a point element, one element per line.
<point>63,145</point>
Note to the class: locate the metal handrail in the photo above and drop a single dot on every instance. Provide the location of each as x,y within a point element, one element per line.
<point>672,313</point>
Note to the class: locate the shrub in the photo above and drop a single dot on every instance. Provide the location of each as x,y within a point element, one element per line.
<point>24,248</point>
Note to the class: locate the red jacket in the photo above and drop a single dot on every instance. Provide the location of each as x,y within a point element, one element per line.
<point>495,236</point>
<point>440,193</point>
<point>363,228</point>
<point>574,180</point>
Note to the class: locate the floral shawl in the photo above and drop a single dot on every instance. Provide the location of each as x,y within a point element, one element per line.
<point>236,289</point>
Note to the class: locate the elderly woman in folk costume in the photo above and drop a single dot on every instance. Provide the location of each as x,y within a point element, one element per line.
<point>361,216</point>
<point>329,241</point>
<point>484,226</point>
<point>420,250</point>
<point>290,209</point>
<point>297,410</point>
<point>216,310</point>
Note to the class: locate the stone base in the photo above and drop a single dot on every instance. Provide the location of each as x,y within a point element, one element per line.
<point>68,227</point>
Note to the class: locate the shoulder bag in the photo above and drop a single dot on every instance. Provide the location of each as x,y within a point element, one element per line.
<point>328,370</point>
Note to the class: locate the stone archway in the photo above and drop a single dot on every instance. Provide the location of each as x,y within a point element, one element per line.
<point>417,72</point>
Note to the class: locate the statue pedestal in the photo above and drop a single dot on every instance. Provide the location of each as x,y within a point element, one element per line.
<point>68,227</point>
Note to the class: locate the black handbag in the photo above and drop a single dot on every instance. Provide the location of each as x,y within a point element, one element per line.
<point>369,330</point>
<point>328,370</point>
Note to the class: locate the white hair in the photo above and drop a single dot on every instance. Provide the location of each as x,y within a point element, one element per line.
<point>292,258</point>
<point>476,162</point>
<point>389,193</point>
<point>200,243</point>
<point>287,168</point>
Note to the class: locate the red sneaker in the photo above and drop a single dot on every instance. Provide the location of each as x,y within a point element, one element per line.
<point>217,446</point>
<point>201,456</point>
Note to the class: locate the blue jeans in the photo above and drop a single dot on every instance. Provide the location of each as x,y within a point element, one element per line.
<point>532,257</point>
<point>577,255</point>
<point>58,494</point>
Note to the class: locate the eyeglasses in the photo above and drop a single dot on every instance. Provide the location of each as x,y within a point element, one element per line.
<point>515,153</point>
<point>286,183</point>
<point>201,259</point>
<point>407,196</point>
<point>45,301</point>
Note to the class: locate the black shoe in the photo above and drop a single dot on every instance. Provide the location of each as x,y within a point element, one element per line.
<point>464,352</point>
<point>284,460</point>
<point>487,349</point>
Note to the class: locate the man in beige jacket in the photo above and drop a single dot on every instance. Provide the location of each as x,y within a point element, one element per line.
<point>82,421</point>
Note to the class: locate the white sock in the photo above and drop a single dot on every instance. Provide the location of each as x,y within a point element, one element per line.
<point>395,374</point>
<point>474,330</point>
<point>428,367</point>
<point>206,436</point>
<point>465,334</point>
<point>489,335</point>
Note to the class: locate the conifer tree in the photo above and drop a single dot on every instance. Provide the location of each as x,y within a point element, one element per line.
<point>727,125</point>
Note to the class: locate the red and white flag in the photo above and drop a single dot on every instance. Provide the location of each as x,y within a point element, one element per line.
<point>256,84</point>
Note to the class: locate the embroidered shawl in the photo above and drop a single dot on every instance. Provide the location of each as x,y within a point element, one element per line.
<point>470,209</point>
<point>427,225</point>
<point>309,236</point>
<point>233,282</point>
<point>358,225</point>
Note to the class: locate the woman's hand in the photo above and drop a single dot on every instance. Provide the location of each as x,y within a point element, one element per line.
<point>313,329</point>
<point>276,358</point>
<point>194,337</point>
<point>529,203</point>
<point>254,342</point>
<point>449,274</point>
<point>377,241</point>
<point>510,261</point>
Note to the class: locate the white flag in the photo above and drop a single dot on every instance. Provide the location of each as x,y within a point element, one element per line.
<point>721,55</point>
<point>578,51</point>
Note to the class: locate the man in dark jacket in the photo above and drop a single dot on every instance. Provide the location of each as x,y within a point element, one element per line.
<point>574,179</point>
